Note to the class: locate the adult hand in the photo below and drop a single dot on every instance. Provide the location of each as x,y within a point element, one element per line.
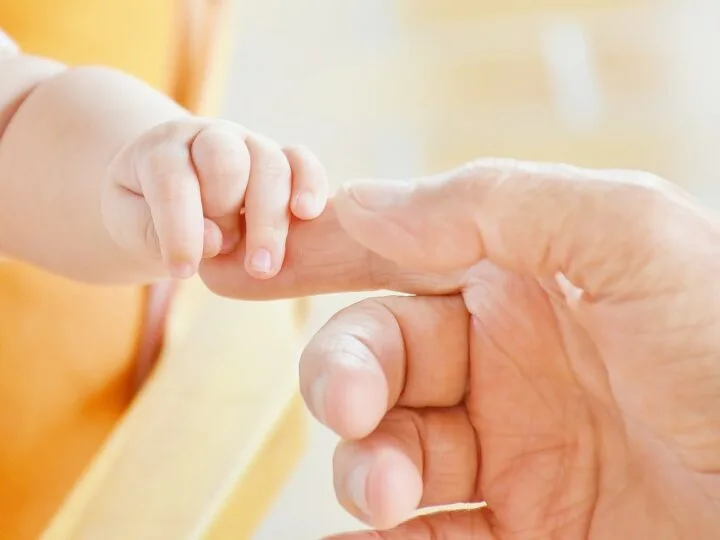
<point>562,362</point>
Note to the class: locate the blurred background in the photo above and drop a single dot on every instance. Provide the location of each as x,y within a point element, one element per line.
<point>396,88</point>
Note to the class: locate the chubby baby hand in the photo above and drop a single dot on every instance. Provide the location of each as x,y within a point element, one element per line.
<point>195,188</point>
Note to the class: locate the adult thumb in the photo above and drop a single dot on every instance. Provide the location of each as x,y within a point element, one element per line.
<point>606,231</point>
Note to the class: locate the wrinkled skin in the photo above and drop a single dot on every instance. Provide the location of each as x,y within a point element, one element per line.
<point>560,359</point>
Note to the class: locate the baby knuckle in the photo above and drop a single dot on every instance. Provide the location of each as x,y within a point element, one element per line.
<point>226,165</point>
<point>220,154</point>
<point>277,169</point>
<point>166,168</point>
<point>268,160</point>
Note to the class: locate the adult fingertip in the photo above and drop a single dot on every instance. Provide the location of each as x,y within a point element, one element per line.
<point>394,490</point>
<point>427,224</point>
<point>350,402</point>
<point>396,220</point>
<point>318,395</point>
<point>381,486</point>
<point>356,488</point>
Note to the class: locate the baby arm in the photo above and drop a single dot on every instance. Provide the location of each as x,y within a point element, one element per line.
<point>103,179</point>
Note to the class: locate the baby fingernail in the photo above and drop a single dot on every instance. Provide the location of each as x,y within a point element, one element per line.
<point>357,488</point>
<point>306,203</point>
<point>261,261</point>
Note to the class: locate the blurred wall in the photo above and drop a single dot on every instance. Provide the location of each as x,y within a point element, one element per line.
<point>407,86</point>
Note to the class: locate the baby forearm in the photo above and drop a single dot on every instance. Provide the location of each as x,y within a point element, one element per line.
<point>58,140</point>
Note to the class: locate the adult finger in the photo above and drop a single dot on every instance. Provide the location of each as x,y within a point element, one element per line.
<point>456,525</point>
<point>321,258</point>
<point>384,352</point>
<point>415,458</point>
<point>597,228</point>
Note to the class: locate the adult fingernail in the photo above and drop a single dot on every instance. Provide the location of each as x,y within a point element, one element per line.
<point>261,261</point>
<point>318,392</point>
<point>378,194</point>
<point>357,488</point>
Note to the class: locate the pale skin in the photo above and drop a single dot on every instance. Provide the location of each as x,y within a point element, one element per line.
<point>105,180</point>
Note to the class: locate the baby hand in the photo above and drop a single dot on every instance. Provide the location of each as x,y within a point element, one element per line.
<point>192,189</point>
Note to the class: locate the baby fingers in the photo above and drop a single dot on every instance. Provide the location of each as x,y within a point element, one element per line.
<point>160,184</point>
<point>222,164</point>
<point>172,192</point>
<point>187,189</point>
<point>309,183</point>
